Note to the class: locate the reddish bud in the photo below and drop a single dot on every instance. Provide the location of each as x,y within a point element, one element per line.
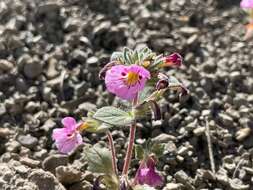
<point>174,59</point>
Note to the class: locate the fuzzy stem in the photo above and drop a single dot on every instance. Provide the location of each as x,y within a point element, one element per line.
<point>131,142</point>
<point>112,147</point>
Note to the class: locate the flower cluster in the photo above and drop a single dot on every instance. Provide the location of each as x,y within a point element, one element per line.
<point>247,5</point>
<point>133,76</point>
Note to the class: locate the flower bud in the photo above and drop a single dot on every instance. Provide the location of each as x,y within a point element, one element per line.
<point>162,84</point>
<point>174,59</point>
<point>156,110</point>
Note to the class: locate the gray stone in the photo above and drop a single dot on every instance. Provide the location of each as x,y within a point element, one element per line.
<point>28,141</point>
<point>242,134</point>
<point>173,186</point>
<point>32,68</point>
<point>5,65</point>
<point>226,120</point>
<point>79,55</point>
<point>163,138</point>
<point>30,162</point>
<point>2,109</point>
<point>44,180</point>
<point>53,161</point>
<point>67,175</point>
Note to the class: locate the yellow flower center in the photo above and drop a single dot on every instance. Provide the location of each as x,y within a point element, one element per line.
<point>132,78</point>
<point>83,126</point>
<point>146,63</point>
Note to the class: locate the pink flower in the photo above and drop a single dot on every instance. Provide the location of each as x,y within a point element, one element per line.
<point>126,81</point>
<point>247,4</point>
<point>174,59</point>
<point>69,137</point>
<point>146,174</point>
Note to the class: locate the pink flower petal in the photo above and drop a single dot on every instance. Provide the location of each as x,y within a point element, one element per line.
<point>146,174</point>
<point>69,123</point>
<point>115,80</point>
<point>246,4</point>
<point>59,133</point>
<point>67,144</point>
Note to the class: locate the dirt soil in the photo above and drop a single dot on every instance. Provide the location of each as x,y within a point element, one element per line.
<point>50,56</point>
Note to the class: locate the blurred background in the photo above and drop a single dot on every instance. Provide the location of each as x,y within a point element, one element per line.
<point>50,56</point>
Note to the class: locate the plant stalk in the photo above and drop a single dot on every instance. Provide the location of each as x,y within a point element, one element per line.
<point>112,147</point>
<point>131,142</point>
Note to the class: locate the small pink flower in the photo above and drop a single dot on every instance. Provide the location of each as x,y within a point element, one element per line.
<point>69,137</point>
<point>174,59</point>
<point>126,81</point>
<point>146,174</point>
<point>247,4</point>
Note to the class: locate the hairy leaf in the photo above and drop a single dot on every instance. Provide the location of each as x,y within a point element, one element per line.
<point>113,116</point>
<point>99,160</point>
<point>139,152</point>
<point>158,149</point>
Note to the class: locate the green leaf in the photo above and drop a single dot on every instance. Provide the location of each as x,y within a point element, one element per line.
<point>139,152</point>
<point>143,187</point>
<point>158,149</point>
<point>99,160</point>
<point>116,56</point>
<point>111,182</point>
<point>145,93</point>
<point>113,116</point>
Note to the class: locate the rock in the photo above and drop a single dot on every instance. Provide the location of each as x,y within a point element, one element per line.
<point>44,180</point>
<point>67,175</point>
<point>163,138</point>
<point>53,161</point>
<point>47,8</point>
<point>5,132</point>
<point>199,131</point>
<point>51,68</point>
<point>92,61</point>
<point>32,68</point>
<point>235,76</point>
<point>84,185</point>
<point>175,120</point>
<point>236,184</point>
<point>170,147</point>
<point>173,186</point>
<point>86,107</point>
<point>12,146</point>
<point>243,133</point>
<point>48,125</point>
<point>182,150</point>
<point>183,178</point>
<point>30,162</point>
<point>222,178</point>
<point>226,120</point>
<point>79,55</point>
<point>72,24</point>
<point>5,65</point>
<point>189,30</point>
<point>28,141</point>
<point>2,109</point>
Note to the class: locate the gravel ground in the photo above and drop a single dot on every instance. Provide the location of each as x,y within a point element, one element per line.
<point>50,55</point>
